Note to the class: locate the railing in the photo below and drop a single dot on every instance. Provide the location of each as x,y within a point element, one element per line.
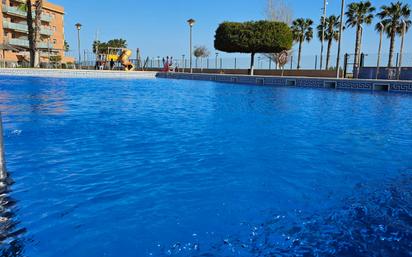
<point>24,28</point>
<point>15,26</point>
<point>16,11</point>
<point>25,43</point>
<point>262,62</point>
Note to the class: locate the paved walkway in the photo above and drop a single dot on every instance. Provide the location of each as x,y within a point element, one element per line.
<point>76,73</point>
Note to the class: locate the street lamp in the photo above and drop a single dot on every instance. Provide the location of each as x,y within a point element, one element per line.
<point>325,3</point>
<point>381,28</point>
<point>78,27</point>
<point>217,56</point>
<point>340,38</point>
<point>191,22</point>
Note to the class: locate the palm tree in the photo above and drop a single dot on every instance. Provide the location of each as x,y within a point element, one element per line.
<point>37,28</point>
<point>33,30</point>
<point>358,14</point>
<point>332,25</point>
<point>32,43</point>
<point>302,31</point>
<point>392,18</point>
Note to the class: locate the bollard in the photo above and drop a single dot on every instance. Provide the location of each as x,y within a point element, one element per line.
<point>3,172</point>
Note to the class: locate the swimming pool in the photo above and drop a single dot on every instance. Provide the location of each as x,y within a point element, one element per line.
<point>189,168</point>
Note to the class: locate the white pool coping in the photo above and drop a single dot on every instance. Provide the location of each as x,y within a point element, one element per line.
<point>60,73</point>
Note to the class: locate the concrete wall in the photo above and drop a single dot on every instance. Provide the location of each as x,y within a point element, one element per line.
<point>350,84</point>
<point>297,73</point>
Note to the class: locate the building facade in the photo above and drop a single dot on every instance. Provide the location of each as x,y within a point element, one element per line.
<point>14,32</point>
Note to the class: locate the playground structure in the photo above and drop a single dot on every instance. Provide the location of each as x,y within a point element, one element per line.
<point>120,55</point>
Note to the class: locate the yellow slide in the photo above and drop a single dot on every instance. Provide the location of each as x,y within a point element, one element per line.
<point>124,60</point>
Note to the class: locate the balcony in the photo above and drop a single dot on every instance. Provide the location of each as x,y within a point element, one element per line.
<point>24,29</point>
<point>15,26</point>
<point>19,13</point>
<point>25,43</point>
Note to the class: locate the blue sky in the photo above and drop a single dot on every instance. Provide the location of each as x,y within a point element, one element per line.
<point>158,27</point>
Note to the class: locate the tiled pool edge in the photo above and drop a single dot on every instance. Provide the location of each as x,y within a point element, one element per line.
<point>61,73</point>
<point>349,84</point>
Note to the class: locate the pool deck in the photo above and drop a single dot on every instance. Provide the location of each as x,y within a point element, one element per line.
<point>308,82</point>
<point>60,73</point>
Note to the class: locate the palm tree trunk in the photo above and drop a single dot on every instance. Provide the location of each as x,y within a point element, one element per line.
<point>300,53</point>
<point>357,49</point>
<point>328,53</point>
<point>32,43</point>
<point>392,47</point>
<point>37,27</point>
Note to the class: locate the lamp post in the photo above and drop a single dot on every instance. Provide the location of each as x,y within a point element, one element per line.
<point>78,27</point>
<point>340,38</point>
<point>325,3</point>
<point>217,56</point>
<point>191,23</point>
<point>402,46</point>
<point>378,64</point>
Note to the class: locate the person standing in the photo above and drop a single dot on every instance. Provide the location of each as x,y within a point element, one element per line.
<point>111,64</point>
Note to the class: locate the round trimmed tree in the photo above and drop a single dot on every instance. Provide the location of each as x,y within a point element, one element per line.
<point>253,37</point>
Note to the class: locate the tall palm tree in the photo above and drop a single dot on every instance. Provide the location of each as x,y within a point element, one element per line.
<point>37,29</point>
<point>392,18</point>
<point>358,14</point>
<point>332,25</point>
<point>32,43</point>
<point>302,31</point>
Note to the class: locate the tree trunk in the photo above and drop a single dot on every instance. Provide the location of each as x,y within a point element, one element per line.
<point>37,28</point>
<point>328,53</point>
<point>252,64</point>
<point>392,47</point>
<point>357,49</point>
<point>300,53</point>
<point>32,43</point>
<point>201,64</point>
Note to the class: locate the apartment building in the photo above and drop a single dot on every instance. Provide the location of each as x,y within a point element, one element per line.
<point>14,32</point>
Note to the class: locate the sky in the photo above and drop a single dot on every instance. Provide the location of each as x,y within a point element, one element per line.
<point>159,28</point>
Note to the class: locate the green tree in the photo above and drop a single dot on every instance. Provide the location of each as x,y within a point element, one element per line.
<point>66,46</point>
<point>117,43</point>
<point>99,46</point>
<point>55,59</point>
<point>392,17</point>
<point>253,37</point>
<point>302,31</point>
<point>102,47</point>
<point>358,14</point>
<point>332,25</point>
<point>22,7</point>
<point>201,52</point>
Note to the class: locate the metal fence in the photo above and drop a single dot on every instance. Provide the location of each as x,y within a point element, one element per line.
<point>263,62</point>
<point>307,62</point>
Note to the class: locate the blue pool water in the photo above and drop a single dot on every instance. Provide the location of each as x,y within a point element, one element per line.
<point>188,168</point>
